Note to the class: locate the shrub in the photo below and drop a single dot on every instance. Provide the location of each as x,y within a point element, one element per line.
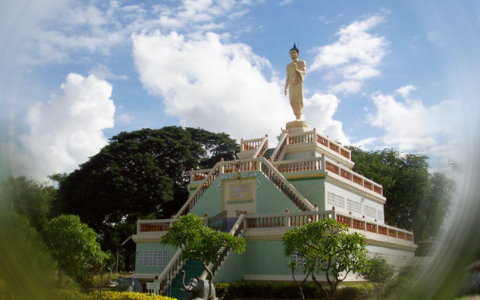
<point>107,295</point>
<point>245,289</point>
<point>378,273</point>
<point>126,296</point>
<point>401,281</point>
<point>358,292</point>
<point>70,294</point>
<point>102,279</point>
<point>284,290</point>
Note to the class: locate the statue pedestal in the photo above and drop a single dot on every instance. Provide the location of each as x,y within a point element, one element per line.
<point>297,126</point>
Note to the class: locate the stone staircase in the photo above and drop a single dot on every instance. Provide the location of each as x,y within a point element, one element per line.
<point>193,268</point>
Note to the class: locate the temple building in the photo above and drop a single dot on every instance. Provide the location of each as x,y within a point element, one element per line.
<point>263,194</point>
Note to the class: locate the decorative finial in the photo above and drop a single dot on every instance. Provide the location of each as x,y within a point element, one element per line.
<point>295,48</point>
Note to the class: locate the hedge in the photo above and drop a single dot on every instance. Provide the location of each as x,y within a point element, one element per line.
<point>107,295</point>
<point>285,290</point>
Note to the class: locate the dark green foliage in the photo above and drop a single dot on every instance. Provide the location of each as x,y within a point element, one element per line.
<point>139,174</point>
<point>283,290</point>
<point>201,242</point>
<point>360,292</point>
<point>214,145</point>
<point>327,249</point>
<point>416,200</point>
<point>433,208</point>
<point>378,273</point>
<point>28,198</point>
<point>75,248</point>
<point>402,281</point>
<point>26,268</point>
<point>378,270</point>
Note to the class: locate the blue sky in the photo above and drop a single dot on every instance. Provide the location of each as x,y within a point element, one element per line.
<point>379,73</point>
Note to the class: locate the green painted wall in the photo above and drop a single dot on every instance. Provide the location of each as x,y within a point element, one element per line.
<point>270,199</point>
<point>311,188</point>
<point>260,258</point>
<point>266,258</point>
<point>152,246</point>
<point>299,155</point>
<point>233,268</point>
<point>211,202</point>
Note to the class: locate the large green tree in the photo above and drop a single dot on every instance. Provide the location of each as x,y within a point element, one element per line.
<point>28,198</point>
<point>75,248</point>
<point>327,248</point>
<point>139,174</point>
<point>430,214</point>
<point>416,199</point>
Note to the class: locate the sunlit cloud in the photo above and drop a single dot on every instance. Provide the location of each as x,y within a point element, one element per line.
<point>212,84</point>
<point>319,112</point>
<point>65,131</point>
<point>353,58</point>
<point>410,125</point>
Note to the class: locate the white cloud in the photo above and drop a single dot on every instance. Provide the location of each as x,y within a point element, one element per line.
<point>67,129</point>
<point>319,111</point>
<point>57,35</point>
<point>103,72</point>
<point>208,83</point>
<point>353,58</point>
<point>363,143</point>
<point>412,126</point>
<point>405,91</point>
<point>124,118</point>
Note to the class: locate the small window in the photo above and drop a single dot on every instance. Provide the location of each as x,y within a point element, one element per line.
<point>152,257</point>
<point>297,259</point>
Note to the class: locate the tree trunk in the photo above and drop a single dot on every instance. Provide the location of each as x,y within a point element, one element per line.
<point>325,293</point>
<point>299,285</point>
<point>210,274</point>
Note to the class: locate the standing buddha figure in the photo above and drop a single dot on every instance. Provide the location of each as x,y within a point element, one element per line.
<point>296,71</point>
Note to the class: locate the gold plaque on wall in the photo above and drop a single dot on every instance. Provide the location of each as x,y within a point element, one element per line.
<point>241,192</point>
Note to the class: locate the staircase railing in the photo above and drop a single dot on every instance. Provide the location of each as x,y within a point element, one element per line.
<point>202,187</point>
<point>262,148</point>
<point>237,230</point>
<point>282,143</point>
<point>171,270</point>
<point>300,165</point>
<point>219,221</point>
<point>286,187</point>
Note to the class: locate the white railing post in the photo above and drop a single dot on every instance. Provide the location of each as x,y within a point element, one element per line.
<point>288,220</point>
<point>281,143</point>
<point>261,144</point>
